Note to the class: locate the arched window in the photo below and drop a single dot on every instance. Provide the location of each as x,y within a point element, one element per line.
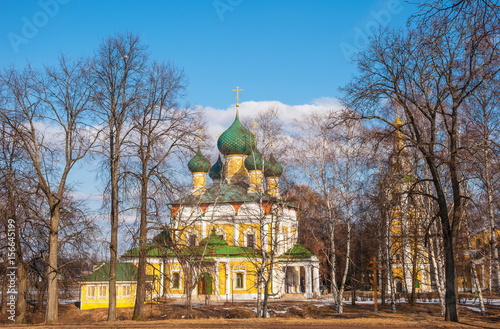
<point>176,280</point>
<point>192,239</point>
<point>239,280</point>
<point>239,272</point>
<point>250,237</point>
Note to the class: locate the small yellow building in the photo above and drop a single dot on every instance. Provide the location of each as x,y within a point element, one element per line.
<point>94,292</point>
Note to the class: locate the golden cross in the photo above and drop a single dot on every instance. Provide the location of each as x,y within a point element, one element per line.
<point>254,125</point>
<point>237,95</point>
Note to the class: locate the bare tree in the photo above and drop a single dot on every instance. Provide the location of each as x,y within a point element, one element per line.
<point>428,73</point>
<point>161,129</point>
<point>482,128</point>
<point>14,192</point>
<point>57,98</point>
<point>331,153</point>
<point>117,71</point>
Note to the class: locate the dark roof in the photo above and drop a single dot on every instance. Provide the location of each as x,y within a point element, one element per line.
<point>124,272</point>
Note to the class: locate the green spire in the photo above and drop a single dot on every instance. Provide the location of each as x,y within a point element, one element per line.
<point>236,139</point>
<point>273,168</point>
<point>216,170</point>
<point>199,163</point>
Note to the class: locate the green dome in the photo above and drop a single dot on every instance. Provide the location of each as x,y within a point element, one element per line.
<point>199,163</point>
<point>236,139</point>
<point>254,161</point>
<point>216,170</point>
<point>272,168</point>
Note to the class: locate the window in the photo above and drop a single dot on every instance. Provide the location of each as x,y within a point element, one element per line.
<point>239,280</point>
<point>91,292</point>
<point>221,236</point>
<point>176,280</point>
<point>239,277</point>
<point>102,291</point>
<point>192,240</point>
<point>124,290</point>
<point>250,240</point>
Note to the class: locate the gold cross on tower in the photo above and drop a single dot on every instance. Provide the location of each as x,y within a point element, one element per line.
<point>254,125</point>
<point>237,95</point>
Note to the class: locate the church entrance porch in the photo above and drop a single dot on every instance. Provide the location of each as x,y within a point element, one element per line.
<point>301,279</point>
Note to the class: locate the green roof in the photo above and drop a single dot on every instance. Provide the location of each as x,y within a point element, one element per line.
<point>236,139</point>
<point>297,251</point>
<point>154,250</point>
<point>124,272</point>
<point>223,193</point>
<point>213,240</point>
<point>199,163</point>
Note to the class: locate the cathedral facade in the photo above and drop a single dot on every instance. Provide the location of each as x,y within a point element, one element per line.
<point>231,239</point>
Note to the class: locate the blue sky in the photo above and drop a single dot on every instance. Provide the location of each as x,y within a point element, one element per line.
<point>285,50</point>
<point>288,53</point>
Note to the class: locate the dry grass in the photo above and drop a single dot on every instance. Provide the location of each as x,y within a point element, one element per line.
<point>282,315</point>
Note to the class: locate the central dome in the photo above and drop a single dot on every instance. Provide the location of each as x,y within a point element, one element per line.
<point>236,139</point>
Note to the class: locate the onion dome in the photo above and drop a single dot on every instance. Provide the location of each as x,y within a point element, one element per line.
<point>216,170</point>
<point>272,168</point>
<point>254,161</point>
<point>199,163</point>
<point>236,139</point>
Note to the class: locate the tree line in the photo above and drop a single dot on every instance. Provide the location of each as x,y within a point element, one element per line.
<point>418,132</point>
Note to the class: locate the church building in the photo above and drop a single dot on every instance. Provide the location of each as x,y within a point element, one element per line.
<point>234,237</point>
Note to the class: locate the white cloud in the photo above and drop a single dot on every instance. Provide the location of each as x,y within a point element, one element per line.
<point>220,119</point>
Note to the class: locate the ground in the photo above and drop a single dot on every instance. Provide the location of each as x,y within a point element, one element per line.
<point>289,314</point>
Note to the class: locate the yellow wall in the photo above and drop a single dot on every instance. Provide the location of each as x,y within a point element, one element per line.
<point>235,265</point>
<point>97,301</point>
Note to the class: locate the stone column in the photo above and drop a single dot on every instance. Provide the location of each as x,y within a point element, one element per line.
<point>216,279</point>
<point>236,234</point>
<point>228,280</point>
<point>296,279</point>
<point>315,272</point>
<point>308,269</point>
<point>203,230</point>
<point>265,236</point>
